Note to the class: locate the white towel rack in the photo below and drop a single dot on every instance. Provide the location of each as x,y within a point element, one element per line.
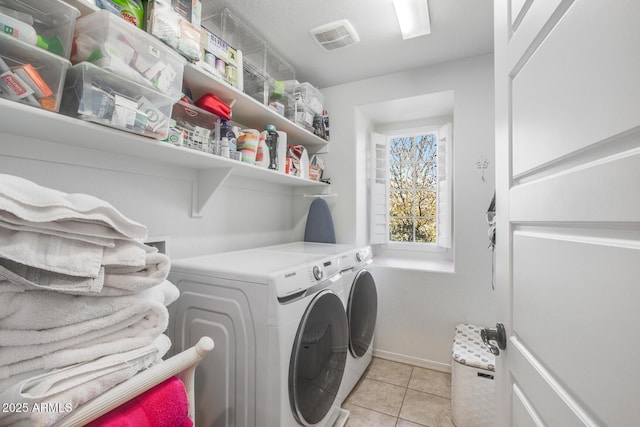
<point>182,365</point>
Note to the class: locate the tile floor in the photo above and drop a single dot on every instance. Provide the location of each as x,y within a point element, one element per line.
<point>392,394</point>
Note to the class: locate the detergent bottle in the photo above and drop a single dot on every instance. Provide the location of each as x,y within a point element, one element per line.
<point>262,155</point>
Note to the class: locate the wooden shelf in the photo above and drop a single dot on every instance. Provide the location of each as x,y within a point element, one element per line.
<point>23,120</point>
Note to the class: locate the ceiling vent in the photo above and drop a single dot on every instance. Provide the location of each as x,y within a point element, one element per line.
<point>336,35</point>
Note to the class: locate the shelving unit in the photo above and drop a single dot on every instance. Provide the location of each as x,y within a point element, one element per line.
<point>248,111</point>
<point>212,171</point>
<point>23,120</point>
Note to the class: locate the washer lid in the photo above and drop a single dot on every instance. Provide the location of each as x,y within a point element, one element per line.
<point>251,265</point>
<point>290,272</point>
<point>311,248</point>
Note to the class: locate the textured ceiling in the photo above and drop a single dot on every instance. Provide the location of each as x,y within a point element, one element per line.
<point>459,28</point>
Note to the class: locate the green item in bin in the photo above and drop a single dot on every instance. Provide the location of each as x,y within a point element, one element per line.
<point>53,44</point>
<point>129,10</point>
<point>278,90</point>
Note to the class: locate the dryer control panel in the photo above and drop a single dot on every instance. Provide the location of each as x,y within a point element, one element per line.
<point>295,282</point>
<point>356,257</point>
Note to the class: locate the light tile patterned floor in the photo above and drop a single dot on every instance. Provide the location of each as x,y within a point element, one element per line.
<point>392,394</point>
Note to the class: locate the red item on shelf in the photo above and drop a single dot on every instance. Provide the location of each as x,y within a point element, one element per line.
<point>211,103</point>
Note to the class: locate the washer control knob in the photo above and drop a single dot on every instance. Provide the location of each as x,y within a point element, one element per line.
<point>317,272</point>
<point>359,256</point>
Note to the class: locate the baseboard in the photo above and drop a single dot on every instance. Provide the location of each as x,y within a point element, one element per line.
<point>422,363</point>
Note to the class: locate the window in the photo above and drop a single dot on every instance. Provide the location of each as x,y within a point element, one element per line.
<point>411,187</point>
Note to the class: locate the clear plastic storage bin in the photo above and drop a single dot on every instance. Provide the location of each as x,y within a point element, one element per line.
<point>47,24</point>
<point>30,75</point>
<point>300,115</point>
<point>97,95</point>
<point>277,68</point>
<point>112,43</point>
<point>310,97</point>
<point>266,90</point>
<point>256,54</point>
<point>237,34</point>
<point>200,128</point>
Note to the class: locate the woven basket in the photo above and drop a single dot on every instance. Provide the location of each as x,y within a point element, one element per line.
<point>472,383</point>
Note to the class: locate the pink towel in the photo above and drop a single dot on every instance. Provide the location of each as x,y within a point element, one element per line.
<point>165,405</point>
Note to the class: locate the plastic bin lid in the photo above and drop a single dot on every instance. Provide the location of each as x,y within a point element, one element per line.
<point>468,348</point>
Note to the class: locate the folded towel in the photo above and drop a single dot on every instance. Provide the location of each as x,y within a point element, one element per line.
<point>37,323</point>
<point>31,278</point>
<point>50,396</point>
<point>30,201</point>
<point>106,242</point>
<point>19,371</point>
<point>127,253</point>
<point>135,267</point>
<point>72,228</point>
<point>51,253</point>
<point>164,405</point>
<point>135,279</point>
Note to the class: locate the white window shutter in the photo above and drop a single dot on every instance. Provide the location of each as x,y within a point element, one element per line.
<point>445,176</point>
<point>379,209</point>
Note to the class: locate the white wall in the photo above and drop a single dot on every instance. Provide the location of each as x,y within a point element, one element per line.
<point>418,310</point>
<point>240,214</point>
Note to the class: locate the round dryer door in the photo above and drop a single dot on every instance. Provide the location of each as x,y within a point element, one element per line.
<point>362,311</point>
<point>318,358</point>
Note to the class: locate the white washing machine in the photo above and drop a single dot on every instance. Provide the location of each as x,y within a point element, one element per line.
<point>281,335</point>
<point>360,299</point>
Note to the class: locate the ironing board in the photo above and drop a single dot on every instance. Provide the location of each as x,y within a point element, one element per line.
<point>319,228</point>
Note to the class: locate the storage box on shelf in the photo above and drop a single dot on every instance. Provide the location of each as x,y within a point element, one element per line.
<point>277,68</point>
<point>278,71</point>
<point>47,24</point>
<point>221,59</point>
<point>266,90</point>
<point>310,97</point>
<point>260,60</point>
<point>301,115</point>
<point>177,24</point>
<point>236,33</point>
<point>31,75</point>
<point>114,44</point>
<point>248,111</point>
<point>200,129</point>
<point>97,95</point>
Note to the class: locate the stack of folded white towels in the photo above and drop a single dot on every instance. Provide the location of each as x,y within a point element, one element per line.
<point>82,301</point>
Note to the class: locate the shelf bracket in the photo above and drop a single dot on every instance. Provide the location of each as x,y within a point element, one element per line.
<point>206,184</point>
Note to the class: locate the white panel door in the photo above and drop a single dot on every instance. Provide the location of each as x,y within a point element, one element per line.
<point>568,211</point>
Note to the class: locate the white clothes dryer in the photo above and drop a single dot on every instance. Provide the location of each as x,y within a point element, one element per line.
<point>281,336</point>
<point>360,299</point>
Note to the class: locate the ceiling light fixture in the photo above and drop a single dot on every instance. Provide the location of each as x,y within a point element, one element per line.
<point>413,16</point>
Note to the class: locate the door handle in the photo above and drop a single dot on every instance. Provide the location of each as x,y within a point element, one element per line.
<point>498,335</point>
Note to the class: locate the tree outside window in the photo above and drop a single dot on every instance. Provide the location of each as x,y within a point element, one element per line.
<point>413,188</point>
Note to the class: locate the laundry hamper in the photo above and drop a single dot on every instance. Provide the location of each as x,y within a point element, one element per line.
<point>472,383</point>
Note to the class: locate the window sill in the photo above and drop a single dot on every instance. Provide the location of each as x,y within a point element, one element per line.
<point>415,265</point>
